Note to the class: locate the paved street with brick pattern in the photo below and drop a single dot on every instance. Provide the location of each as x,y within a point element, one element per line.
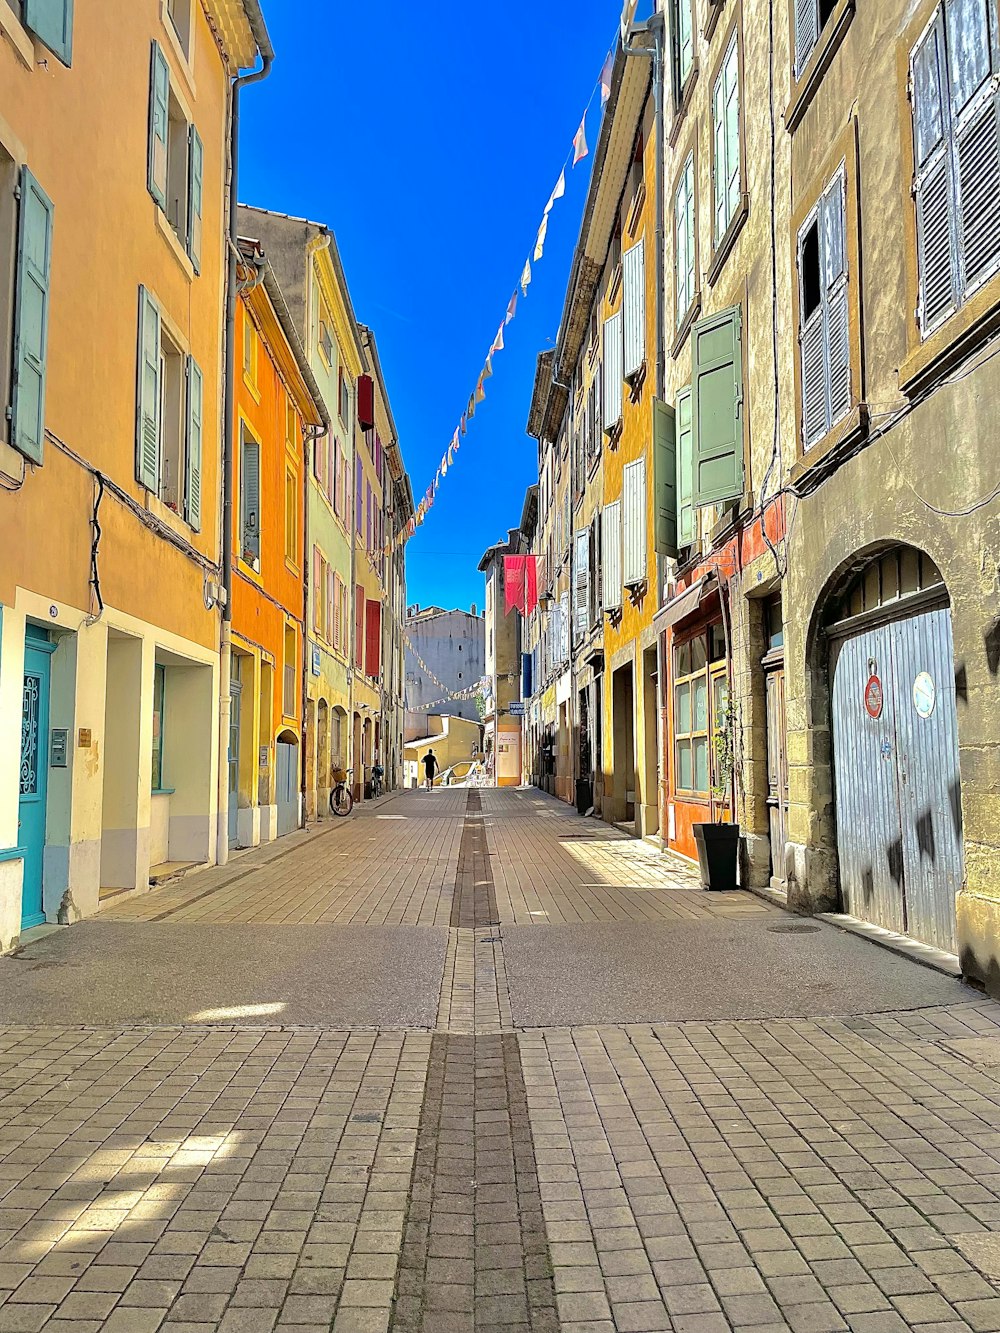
<point>467,1063</point>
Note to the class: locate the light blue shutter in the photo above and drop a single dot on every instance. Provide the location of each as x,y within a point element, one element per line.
<point>612,372</point>
<point>806,32</point>
<point>52,23</point>
<point>665,478</point>
<point>835,296</point>
<point>159,112</point>
<point>193,444</point>
<point>611,552</point>
<point>685,470</point>
<point>147,435</point>
<point>634,523</point>
<point>196,177</point>
<point>717,417</point>
<point>685,41</point>
<point>31,317</point>
<point>937,258</point>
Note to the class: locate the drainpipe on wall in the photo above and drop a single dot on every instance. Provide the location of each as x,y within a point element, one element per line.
<point>311,435</point>
<point>228,419</point>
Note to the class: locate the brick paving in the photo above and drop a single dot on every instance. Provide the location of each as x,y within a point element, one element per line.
<point>796,1174</point>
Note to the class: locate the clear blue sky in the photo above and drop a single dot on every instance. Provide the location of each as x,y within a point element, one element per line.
<point>428,136</point>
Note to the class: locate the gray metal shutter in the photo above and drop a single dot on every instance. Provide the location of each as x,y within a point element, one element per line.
<point>933,195</point>
<point>813,379</point>
<point>147,437</point>
<point>634,307</point>
<point>250,489</point>
<point>594,555</point>
<point>634,523</point>
<point>806,31</point>
<point>838,331</point>
<point>193,444</point>
<point>611,573</point>
<point>613,376</point>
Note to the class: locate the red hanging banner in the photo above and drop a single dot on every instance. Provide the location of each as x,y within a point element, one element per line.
<point>520,574</point>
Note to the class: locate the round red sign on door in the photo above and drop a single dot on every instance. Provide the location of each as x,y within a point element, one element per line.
<point>873,697</point>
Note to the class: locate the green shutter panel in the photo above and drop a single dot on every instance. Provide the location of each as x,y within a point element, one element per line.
<point>665,478</point>
<point>52,23</point>
<point>196,175</point>
<point>717,407</point>
<point>685,469</point>
<point>193,443</point>
<point>31,317</point>
<point>147,435</point>
<point>159,110</point>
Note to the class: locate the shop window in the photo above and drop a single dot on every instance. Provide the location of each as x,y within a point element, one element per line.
<point>159,692</point>
<point>701,707</point>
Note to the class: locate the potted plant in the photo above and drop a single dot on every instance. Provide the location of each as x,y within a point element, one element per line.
<point>718,841</point>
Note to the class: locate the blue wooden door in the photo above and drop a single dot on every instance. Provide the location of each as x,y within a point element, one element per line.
<point>34,772</point>
<point>286,775</point>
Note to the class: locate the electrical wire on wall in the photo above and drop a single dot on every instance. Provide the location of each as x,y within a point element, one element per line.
<point>95,573</point>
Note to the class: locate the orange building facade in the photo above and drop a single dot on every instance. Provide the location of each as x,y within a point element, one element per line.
<point>277,403</point>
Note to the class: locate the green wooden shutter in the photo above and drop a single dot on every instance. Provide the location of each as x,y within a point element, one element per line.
<point>159,112</point>
<point>250,490</point>
<point>717,407</point>
<point>196,175</point>
<point>52,23</point>
<point>147,435</point>
<point>31,317</point>
<point>685,469</point>
<point>193,444</point>
<point>665,478</point>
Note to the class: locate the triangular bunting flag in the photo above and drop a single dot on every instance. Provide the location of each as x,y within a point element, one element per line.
<point>580,149</point>
<point>480,391</point>
<point>465,425</point>
<point>498,341</point>
<point>488,368</point>
<point>451,453</point>
<point>526,277</point>
<point>628,14</point>
<point>558,192</point>
<point>470,411</point>
<point>511,308</point>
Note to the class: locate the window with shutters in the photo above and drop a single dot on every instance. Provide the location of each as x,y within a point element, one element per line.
<point>817,28</point>
<point>179,16</point>
<point>359,627</point>
<point>685,469</point>
<point>52,23</point>
<point>30,218</point>
<point>717,416</point>
<point>250,350</point>
<point>634,309</point>
<point>594,560</point>
<point>611,556</point>
<point>727,147</point>
<point>325,333</point>
<point>955,99</point>
<point>581,584</point>
<point>170,401</point>
<point>824,313</point>
<point>289,694</point>
<point>680,18</point>
<point>291,516</point>
<point>613,377</point>
<point>634,523</point>
<point>685,242</point>
<point>176,159</point>
<point>250,500</point>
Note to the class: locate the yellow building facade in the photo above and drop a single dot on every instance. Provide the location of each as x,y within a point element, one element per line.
<point>112,302</point>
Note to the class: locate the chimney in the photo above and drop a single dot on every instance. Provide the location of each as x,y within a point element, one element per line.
<point>473,612</point>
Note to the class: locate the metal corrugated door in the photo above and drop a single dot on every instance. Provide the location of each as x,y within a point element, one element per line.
<point>929,781</point>
<point>286,772</point>
<point>869,827</point>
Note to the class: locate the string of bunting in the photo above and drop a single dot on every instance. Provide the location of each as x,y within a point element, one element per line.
<point>578,152</point>
<point>470,693</point>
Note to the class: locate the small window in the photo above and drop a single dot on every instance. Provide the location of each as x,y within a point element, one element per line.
<point>288,703</point>
<point>172,423</point>
<point>291,516</point>
<point>727,168</point>
<point>325,334</point>
<point>344,397</point>
<point>249,349</point>
<point>179,14</point>
<point>159,691</point>
<point>824,319</point>
<point>811,17</point>
<point>250,501</point>
<point>681,46</point>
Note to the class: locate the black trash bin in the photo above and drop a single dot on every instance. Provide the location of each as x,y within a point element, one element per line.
<point>718,855</point>
<point>584,795</point>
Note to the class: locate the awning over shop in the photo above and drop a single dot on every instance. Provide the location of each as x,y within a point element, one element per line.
<point>686,602</point>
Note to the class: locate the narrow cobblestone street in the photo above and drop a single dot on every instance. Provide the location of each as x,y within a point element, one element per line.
<point>468,1062</point>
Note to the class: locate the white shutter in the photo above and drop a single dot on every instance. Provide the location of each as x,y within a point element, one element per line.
<point>147,444</point>
<point>581,583</point>
<point>813,379</point>
<point>634,307</point>
<point>612,371</point>
<point>611,574</point>
<point>684,241</point>
<point>634,523</point>
<point>838,329</point>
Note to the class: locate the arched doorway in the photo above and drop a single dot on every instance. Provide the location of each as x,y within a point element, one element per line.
<point>897,787</point>
<point>286,776</point>
<point>357,776</point>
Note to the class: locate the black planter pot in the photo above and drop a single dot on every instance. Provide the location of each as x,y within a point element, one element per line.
<point>718,855</point>
<point>584,795</point>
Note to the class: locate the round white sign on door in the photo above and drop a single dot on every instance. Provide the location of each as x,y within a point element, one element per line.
<point>924,694</point>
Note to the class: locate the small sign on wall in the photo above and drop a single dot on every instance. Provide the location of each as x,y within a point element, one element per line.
<point>315,659</point>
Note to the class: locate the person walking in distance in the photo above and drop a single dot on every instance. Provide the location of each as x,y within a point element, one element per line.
<point>430,768</point>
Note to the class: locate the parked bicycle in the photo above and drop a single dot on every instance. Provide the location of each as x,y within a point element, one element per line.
<point>377,774</point>
<point>341,800</point>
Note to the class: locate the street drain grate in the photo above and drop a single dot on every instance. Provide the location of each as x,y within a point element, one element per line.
<point>794,928</point>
